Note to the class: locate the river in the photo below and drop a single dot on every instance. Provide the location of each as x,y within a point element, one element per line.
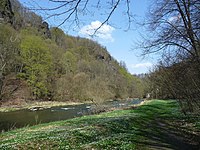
<point>27,117</point>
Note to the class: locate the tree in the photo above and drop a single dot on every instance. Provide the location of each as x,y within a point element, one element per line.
<point>123,65</point>
<point>37,60</point>
<point>174,34</point>
<point>174,29</point>
<point>69,62</point>
<point>8,52</point>
<point>59,37</point>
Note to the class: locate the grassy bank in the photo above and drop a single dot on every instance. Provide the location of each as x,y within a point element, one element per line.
<point>153,125</point>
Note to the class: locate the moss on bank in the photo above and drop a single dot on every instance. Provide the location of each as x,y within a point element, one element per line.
<point>153,125</point>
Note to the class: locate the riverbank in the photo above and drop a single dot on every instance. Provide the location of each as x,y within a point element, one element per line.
<point>39,105</point>
<point>154,125</point>
<point>35,104</point>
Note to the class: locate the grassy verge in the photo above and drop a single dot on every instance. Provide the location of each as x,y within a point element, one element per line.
<point>154,125</point>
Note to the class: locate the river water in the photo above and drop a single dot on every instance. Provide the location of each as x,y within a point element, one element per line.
<point>26,117</point>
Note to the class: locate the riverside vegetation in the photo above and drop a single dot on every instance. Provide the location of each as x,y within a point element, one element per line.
<point>38,63</point>
<point>156,124</point>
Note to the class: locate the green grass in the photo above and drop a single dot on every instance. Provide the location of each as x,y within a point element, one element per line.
<point>153,125</point>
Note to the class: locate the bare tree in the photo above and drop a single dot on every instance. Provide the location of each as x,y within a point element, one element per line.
<point>174,27</point>
<point>74,11</point>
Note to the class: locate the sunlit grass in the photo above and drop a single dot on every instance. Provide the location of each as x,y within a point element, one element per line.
<point>120,129</point>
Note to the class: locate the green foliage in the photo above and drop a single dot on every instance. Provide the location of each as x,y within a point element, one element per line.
<point>37,59</point>
<point>29,31</point>
<point>62,67</point>
<point>124,73</point>
<point>58,36</point>
<point>9,51</point>
<point>74,73</point>
<point>135,85</point>
<point>9,42</point>
<point>80,82</point>
<point>82,53</point>
<point>69,62</point>
<point>57,61</point>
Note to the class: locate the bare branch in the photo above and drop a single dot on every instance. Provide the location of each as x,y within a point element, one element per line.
<point>76,9</point>
<point>173,26</point>
<point>110,14</point>
<point>3,67</point>
<point>73,10</point>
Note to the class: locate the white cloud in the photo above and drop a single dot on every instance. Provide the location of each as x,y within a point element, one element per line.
<point>142,65</point>
<point>174,18</point>
<point>140,68</point>
<point>104,33</point>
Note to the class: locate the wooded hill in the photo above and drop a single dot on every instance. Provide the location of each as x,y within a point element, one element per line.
<point>38,62</point>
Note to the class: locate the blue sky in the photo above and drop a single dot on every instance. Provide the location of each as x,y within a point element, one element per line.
<point>118,42</point>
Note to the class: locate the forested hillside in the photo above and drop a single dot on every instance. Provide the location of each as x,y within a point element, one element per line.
<point>42,63</point>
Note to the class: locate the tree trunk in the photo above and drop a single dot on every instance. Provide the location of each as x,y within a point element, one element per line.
<point>1,83</point>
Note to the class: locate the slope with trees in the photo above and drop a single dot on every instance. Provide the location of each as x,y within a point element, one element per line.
<point>39,63</point>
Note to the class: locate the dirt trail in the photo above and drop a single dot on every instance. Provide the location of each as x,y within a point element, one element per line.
<point>171,135</point>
